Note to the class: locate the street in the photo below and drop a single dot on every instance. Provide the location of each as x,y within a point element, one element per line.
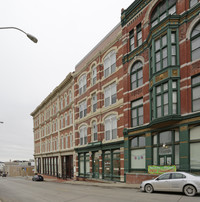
<point>24,190</point>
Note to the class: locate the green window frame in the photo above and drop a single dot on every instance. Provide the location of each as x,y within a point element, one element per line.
<point>195,42</point>
<point>163,9</point>
<point>166,143</point>
<point>163,52</point>
<point>137,113</point>
<point>84,165</point>
<point>164,99</point>
<point>196,93</point>
<point>136,75</point>
<point>138,153</point>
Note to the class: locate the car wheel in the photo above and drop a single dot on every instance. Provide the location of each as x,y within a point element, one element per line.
<point>148,188</point>
<point>189,190</point>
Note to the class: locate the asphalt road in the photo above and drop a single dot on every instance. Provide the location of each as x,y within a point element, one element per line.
<point>24,190</point>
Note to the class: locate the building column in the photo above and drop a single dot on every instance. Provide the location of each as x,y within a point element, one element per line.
<point>126,153</point>
<point>91,164</point>
<point>35,166</point>
<point>184,148</point>
<point>100,165</point>
<point>59,166</point>
<point>149,152</point>
<point>121,164</point>
<point>41,165</point>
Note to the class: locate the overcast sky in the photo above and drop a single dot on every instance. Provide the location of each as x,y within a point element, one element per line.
<point>66,32</point>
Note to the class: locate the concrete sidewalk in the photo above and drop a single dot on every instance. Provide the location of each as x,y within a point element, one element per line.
<point>108,184</point>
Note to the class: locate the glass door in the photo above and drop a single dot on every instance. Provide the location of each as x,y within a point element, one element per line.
<point>95,165</point>
<point>107,165</point>
<point>165,160</point>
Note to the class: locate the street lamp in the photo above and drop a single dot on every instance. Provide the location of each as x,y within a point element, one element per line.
<point>31,37</point>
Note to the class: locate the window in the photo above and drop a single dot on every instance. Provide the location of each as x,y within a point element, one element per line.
<point>110,64</point>
<point>94,131</point>
<point>82,109</point>
<point>66,123</point>
<point>71,140</point>
<point>110,95</point>
<point>165,8</point>
<point>70,117</point>
<point>138,159</point>
<point>66,141</point>
<point>162,100</point>
<point>84,164</point>
<point>82,84</point>
<point>196,93</point>
<point>83,135</point>
<point>132,41</point>
<point>139,35</point>
<point>195,147</point>
<point>193,2</point>
<point>61,121</point>
<point>161,53</point>
<point>166,148</point>
<point>110,127</point>
<point>65,99</point>
<point>61,103</point>
<point>94,102</point>
<point>70,96</point>
<point>136,75</point>
<point>195,42</point>
<point>94,75</point>
<point>137,112</point>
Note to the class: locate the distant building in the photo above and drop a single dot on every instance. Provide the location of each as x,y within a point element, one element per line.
<point>132,101</point>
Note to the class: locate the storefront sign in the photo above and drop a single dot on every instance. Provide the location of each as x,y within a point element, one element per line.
<point>161,169</point>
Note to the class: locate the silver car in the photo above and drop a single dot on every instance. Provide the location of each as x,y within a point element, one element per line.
<point>173,182</point>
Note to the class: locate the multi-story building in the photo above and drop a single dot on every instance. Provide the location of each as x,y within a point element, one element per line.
<point>134,99</point>
<point>53,132</point>
<point>161,57</point>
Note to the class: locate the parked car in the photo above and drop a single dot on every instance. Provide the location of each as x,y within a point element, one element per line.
<point>38,178</point>
<point>173,182</point>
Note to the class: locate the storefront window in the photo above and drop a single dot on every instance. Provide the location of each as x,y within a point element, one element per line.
<point>166,148</point>
<point>195,147</point>
<point>138,153</point>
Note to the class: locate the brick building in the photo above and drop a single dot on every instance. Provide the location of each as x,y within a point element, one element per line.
<point>134,99</point>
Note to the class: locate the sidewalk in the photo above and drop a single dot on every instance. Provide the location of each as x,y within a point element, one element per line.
<point>108,184</point>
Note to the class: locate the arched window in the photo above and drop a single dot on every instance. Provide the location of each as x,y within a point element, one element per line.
<point>163,9</point>
<point>65,99</point>
<point>70,96</point>
<point>110,127</point>
<point>136,75</point>
<point>195,43</point>
<point>94,131</point>
<point>94,75</point>
<point>82,84</point>
<point>83,135</point>
<point>110,64</point>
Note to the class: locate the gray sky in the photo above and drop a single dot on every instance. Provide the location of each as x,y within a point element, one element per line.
<point>66,32</point>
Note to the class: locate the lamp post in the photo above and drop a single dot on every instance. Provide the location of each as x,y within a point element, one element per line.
<point>31,37</point>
